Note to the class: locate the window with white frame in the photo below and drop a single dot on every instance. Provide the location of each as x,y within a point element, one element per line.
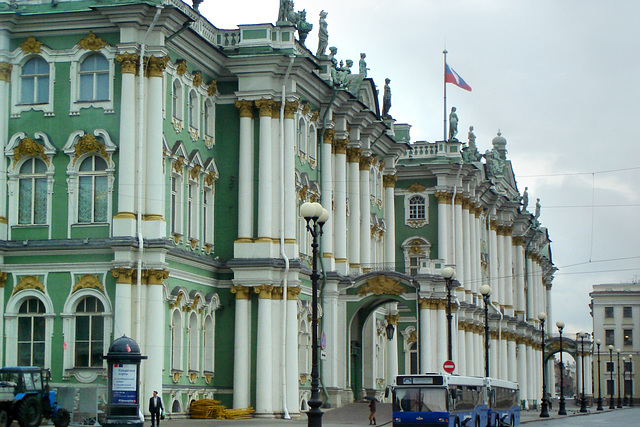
<point>207,214</point>
<point>94,78</point>
<point>312,144</point>
<point>304,349</point>
<point>193,342</point>
<point>176,340</point>
<point>31,333</point>
<point>93,190</point>
<point>416,209</point>
<point>209,119</point>
<point>34,82</point>
<point>415,249</point>
<point>207,344</point>
<point>176,204</point>
<point>89,333</point>
<point>192,210</point>
<point>194,111</point>
<point>300,141</point>
<point>32,192</point>
<point>176,100</point>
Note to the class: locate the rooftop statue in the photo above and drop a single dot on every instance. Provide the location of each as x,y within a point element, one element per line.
<point>471,154</point>
<point>386,99</point>
<point>286,13</point>
<point>453,125</point>
<point>363,65</point>
<point>536,215</point>
<point>495,163</point>
<point>472,138</point>
<point>302,25</point>
<point>525,199</point>
<point>333,51</point>
<point>323,35</point>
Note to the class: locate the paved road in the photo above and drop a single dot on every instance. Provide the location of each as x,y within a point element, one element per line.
<point>618,418</point>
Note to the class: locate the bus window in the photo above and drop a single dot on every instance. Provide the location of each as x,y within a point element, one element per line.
<point>420,400</point>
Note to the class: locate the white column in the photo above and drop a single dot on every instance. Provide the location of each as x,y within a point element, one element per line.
<point>441,337</point>
<point>522,369</point>
<point>245,171</point>
<point>290,195</point>
<point>504,372</point>
<point>494,367</point>
<point>326,170</point>
<point>461,274</point>
<point>444,200</point>
<point>264,357</point>
<point>5,84</point>
<point>508,269</point>
<point>478,348</point>
<point>474,276</point>
<point>470,355</point>
<point>124,221</point>
<point>155,209</point>
<point>478,239</point>
<point>493,263</point>
<point>466,249</point>
<point>531,314</point>
<point>365,211</point>
<point>277,191</point>
<point>390,216</point>
<point>291,367</point>
<point>460,356</point>
<point>519,276</point>
<point>531,375</point>
<point>123,300</point>
<point>265,181</point>
<point>340,200</point>
<point>512,374</point>
<point>501,267</point>
<point>330,319</point>
<point>242,348</point>
<point>354,205</point>
<point>154,336</point>
<point>426,327</point>
<point>392,345</point>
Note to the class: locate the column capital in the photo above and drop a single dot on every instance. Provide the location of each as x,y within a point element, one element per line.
<point>276,293</point>
<point>275,111</point>
<point>263,291</point>
<point>458,199</point>
<point>3,278</point>
<point>365,163</point>
<point>389,181</point>
<point>245,107</point>
<point>493,224</point>
<point>392,319</point>
<point>242,292</point>
<point>156,66</point>
<point>5,71</point>
<point>290,108</point>
<point>518,240</point>
<point>128,62</point>
<point>155,277</point>
<point>124,275</point>
<point>328,137</point>
<point>443,197</point>
<point>341,146</point>
<point>265,106</point>
<point>354,154</point>
<point>293,292</point>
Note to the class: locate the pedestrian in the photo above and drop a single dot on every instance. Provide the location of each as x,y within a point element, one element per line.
<point>372,412</point>
<point>155,407</point>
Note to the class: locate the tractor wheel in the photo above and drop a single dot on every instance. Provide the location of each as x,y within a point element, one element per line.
<point>29,412</point>
<point>4,419</point>
<point>63,419</point>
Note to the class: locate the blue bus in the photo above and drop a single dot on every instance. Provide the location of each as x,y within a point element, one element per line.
<point>454,401</point>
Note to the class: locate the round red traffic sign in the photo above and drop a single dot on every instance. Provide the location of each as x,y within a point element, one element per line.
<point>449,366</point>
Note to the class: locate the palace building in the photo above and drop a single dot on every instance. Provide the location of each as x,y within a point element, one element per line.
<point>153,171</point>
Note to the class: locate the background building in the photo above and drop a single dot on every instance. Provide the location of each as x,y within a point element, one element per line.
<point>615,309</point>
<point>155,166</point>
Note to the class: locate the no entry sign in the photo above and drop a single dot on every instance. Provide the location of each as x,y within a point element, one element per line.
<point>449,366</point>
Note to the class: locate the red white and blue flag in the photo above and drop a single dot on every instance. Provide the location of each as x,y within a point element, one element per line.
<point>450,76</point>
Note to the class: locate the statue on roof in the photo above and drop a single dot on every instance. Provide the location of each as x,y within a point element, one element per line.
<point>386,99</point>
<point>323,35</point>
<point>453,125</point>
<point>525,199</point>
<point>303,27</point>
<point>333,51</point>
<point>470,153</point>
<point>536,215</point>
<point>363,65</point>
<point>495,163</point>
<point>472,138</point>
<point>286,11</point>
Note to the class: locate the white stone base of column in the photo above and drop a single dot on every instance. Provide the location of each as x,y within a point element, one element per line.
<point>156,229</point>
<point>265,248</point>
<point>342,267</point>
<point>122,227</point>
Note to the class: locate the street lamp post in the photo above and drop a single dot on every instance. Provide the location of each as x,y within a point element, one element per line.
<point>449,274</point>
<point>485,291</point>
<point>544,409</point>
<point>631,380</point>
<point>624,382</point>
<point>583,401</point>
<point>612,403</point>
<point>599,408</point>
<point>316,216</point>
<point>562,406</point>
<point>619,397</point>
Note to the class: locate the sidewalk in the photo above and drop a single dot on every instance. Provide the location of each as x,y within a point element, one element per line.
<point>533,415</point>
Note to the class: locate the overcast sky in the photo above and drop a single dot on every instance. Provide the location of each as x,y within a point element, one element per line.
<point>560,79</point>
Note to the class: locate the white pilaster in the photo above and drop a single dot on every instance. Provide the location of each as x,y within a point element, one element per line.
<point>461,274</point>
<point>330,324</point>
<point>522,370</point>
<point>390,216</point>
<point>264,356</point>
<point>340,200</point>
<point>470,355</point>
<point>245,171</point>
<point>426,350</point>
<point>466,250</point>
<point>493,264</point>
<point>365,212</point>
<point>326,170</point>
<point>512,374</point>
<point>265,177</point>
<point>501,268</point>
<point>443,250</point>
<point>289,191</point>
<point>354,205</point>
<point>508,271</point>
<point>291,367</point>
<point>242,348</point>
<point>154,346</point>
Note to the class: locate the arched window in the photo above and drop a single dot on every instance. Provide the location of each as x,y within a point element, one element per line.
<point>34,82</point>
<point>207,215</point>
<point>417,209</point>
<point>32,184</point>
<point>176,100</point>
<point>89,333</point>
<point>209,117</point>
<point>93,191</point>
<point>94,78</point>
<point>31,333</point>
<point>207,345</point>
<point>176,204</point>
<point>302,149</point>
<point>312,143</point>
<point>176,340</point>
<point>193,342</point>
<point>193,109</point>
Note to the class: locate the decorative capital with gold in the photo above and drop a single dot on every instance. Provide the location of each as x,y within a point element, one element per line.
<point>263,291</point>
<point>5,71</point>
<point>242,292</point>
<point>128,62</point>
<point>293,292</point>
<point>181,67</point>
<point>3,278</point>
<point>392,319</point>
<point>443,197</point>
<point>290,108</point>
<point>389,181</point>
<point>493,224</point>
<point>156,66</point>
<point>354,154</point>
<point>197,78</point>
<point>245,107</point>
<point>212,89</point>
<point>341,146</point>
<point>265,106</point>
<point>275,111</point>
<point>365,163</point>
<point>156,277</point>
<point>276,293</point>
<point>329,135</point>
<point>123,275</point>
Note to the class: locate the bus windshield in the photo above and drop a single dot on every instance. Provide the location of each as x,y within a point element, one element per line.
<point>420,400</point>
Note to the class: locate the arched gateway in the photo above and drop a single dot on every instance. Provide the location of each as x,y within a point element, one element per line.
<point>582,352</point>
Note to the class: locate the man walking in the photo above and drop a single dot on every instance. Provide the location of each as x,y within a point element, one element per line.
<point>155,406</point>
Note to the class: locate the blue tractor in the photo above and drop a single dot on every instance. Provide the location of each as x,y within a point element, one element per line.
<point>25,396</point>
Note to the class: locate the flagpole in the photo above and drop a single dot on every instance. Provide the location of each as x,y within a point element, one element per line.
<point>444,78</point>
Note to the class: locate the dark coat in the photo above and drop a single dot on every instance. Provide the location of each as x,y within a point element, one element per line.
<point>155,408</point>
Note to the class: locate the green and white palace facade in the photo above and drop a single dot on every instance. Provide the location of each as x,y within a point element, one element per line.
<point>151,177</point>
